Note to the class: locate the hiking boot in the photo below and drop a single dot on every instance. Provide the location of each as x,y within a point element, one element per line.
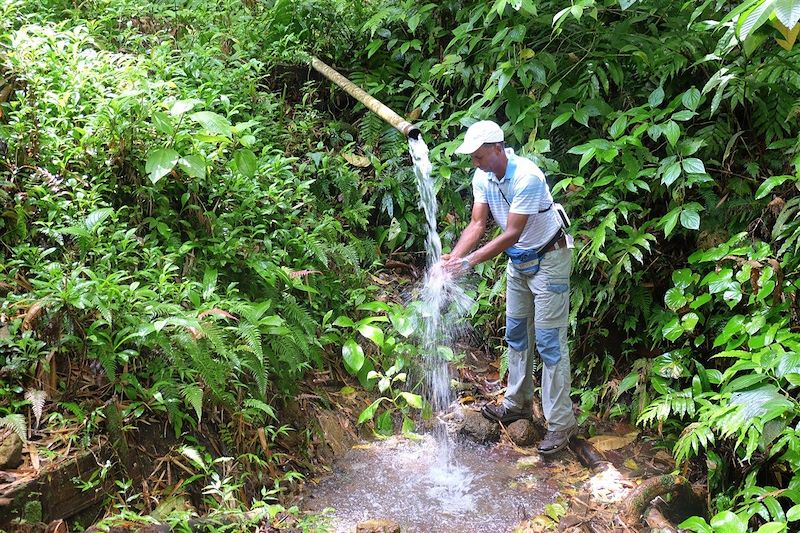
<point>555,441</point>
<point>504,414</point>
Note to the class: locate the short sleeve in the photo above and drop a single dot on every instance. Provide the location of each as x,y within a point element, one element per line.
<point>479,183</point>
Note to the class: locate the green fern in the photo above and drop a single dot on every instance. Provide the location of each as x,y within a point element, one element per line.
<point>695,438</point>
<point>193,395</point>
<point>16,422</point>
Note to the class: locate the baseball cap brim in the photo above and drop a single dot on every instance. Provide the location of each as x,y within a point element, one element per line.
<point>469,146</point>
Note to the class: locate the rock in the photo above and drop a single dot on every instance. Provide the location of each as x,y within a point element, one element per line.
<point>529,462</point>
<point>477,428</point>
<point>378,526</point>
<point>335,436</point>
<point>10,451</point>
<point>524,432</point>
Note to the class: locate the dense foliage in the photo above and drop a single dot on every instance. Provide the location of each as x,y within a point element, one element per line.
<point>174,205</point>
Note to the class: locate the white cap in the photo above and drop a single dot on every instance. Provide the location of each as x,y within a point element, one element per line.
<point>483,131</point>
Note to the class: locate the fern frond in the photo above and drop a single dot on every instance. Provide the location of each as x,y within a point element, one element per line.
<point>253,403</point>
<point>193,395</point>
<point>295,313</point>
<point>17,423</point>
<point>37,399</point>
<point>251,336</point>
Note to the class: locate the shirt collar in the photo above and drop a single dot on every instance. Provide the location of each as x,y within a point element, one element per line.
<point>510,168</point>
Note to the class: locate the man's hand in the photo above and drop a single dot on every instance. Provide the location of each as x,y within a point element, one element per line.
<point>456,266</point>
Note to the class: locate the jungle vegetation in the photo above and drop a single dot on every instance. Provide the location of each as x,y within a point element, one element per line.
<point>187,211</point>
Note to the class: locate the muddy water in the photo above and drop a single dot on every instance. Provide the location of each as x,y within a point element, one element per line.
<point>401,480</point>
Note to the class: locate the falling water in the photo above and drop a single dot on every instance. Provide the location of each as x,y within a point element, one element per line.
<point>443,301</point>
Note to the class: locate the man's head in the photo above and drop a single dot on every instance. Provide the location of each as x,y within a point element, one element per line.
<point>483,142</point>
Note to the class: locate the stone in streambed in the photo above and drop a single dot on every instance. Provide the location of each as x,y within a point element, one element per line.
<point>478,428</point>
<point>378,526</point>
<point>10,451</point>
<point>524,432</point>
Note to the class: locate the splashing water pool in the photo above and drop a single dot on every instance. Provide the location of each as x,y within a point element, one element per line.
<point>481,490</point>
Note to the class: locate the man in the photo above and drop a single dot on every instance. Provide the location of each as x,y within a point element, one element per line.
<point>514,190</point>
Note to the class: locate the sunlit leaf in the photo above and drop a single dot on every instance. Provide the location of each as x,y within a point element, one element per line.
<point>353,356</point>
<point>213,123</point>
<point>160,163</point>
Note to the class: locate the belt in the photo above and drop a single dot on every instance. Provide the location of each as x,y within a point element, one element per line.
<point>558,241</point>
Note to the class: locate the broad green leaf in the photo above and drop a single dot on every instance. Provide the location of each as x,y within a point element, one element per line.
<point>160,163</point>
<point>96,217</point>
<point>689,321</point>
<point>671,173</point>
<point>343,322</point>
<point>383,384</point>
<point>375,306</point>
<point>700,300</point>
<point>696,524</point>
<point>193,165</point>
<point>788,12</point>
<point>560,119</point>
<point>793,514</point>
<point>628,382</point>
<point>772,527</point>
<point>369,412</point>
<point>353,356</point>
<point>618,127</point>
<point>581,116</point>
<point>656,97</point>
<point>213,123</point>
<point>682,278</point>
<point>690,219</point>
<point>675,299</point>
<point>728,522</point>
<point>691,98</point>
<point>672,330</point>
<point>180,107</point>
<point>372,333</point>
<point>769,184</point>
<point>682,116</point>
<point>672,132</point>
<point>163,124</point>
<point>692,165</point>
<point>670,220</point>
<point>753,19</point>
<point>414,400</point>
<point>246,162</point>
<point>402,324</point>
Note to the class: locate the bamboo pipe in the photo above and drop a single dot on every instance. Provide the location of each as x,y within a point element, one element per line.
<point>402,125</point>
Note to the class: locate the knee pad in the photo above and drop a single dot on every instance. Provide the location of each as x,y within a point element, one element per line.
<point>517,333</point>
<point>548,342</point>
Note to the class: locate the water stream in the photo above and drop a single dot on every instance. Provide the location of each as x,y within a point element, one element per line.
<point>429,484</point>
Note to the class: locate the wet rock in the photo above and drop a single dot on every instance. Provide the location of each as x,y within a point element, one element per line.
<point>524,432</point>
<point>337,438</point>
<point>529,462</point>
<point>10,451</point>
<point>477,428</point>
<point>378,526</point>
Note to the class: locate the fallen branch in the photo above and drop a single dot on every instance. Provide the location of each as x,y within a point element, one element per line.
<point>640,498</point>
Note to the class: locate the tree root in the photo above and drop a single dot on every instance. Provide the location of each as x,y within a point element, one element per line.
<point>640,498</point>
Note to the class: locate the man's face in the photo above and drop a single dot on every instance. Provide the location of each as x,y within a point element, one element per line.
<point>487,157</point>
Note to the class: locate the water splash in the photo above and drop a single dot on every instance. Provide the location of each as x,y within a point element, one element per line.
<point>443,302</point>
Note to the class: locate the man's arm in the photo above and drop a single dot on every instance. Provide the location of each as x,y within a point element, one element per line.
<point>516,223</point>
<point>472,233</point>
<point>454,263</point>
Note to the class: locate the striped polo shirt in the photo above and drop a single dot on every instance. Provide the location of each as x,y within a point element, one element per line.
<point>526,190</point>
